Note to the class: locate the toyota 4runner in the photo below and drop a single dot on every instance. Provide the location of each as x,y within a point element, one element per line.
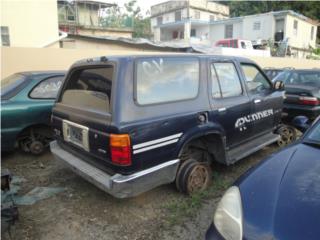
<point>131,123</point>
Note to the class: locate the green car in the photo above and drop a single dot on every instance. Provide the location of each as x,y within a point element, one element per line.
<point>26,104</point>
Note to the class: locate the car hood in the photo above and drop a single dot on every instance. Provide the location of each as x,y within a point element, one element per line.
<point>281,197</point>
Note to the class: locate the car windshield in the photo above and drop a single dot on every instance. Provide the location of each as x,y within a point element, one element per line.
<point>10,84</point>
<point>272,73</point>
<point>281,76</point>
<point>310,78</point>
<point>314,135</point>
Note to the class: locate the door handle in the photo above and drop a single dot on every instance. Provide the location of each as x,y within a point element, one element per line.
<point>256,101</point>
<point>220,110</point>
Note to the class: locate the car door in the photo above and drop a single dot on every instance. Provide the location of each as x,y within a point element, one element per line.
<point>266,103</point>
<point>229,101</point>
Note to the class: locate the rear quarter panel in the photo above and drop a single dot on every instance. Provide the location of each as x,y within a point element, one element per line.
<point>21,112</point>
<point>153,122</point>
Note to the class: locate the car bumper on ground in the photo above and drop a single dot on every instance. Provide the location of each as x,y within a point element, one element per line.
<point>120,186</point>
<point>293,110</point>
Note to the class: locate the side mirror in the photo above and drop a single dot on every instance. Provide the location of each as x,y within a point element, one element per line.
<point>278,85</point>
<point>301,123</point>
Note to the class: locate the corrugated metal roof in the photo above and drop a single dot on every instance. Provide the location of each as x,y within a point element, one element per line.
<point>174,45</point>
<point>103,2</point>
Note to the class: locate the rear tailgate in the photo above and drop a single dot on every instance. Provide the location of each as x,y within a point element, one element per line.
<point>82,115</point>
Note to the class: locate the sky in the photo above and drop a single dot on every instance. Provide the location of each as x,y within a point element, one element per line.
<point>143,4</point>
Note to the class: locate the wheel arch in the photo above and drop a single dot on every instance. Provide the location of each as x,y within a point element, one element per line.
<point>213,141</point>
<point>28,127</point>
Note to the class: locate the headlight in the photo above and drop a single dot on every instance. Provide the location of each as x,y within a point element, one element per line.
<point>228,216</point>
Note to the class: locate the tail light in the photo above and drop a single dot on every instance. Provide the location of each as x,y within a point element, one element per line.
<point>120,148</point>
<point>313,101</point>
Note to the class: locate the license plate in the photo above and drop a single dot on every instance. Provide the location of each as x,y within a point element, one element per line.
<point>76,134</point>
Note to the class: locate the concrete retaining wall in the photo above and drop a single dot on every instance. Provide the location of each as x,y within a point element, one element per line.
<point>30,59</point>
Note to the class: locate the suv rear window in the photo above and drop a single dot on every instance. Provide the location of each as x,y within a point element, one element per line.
<point>89,88</point>
<point>165,79</point>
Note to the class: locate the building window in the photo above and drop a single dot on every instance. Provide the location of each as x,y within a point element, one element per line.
<point>70,14</point>
<point>212,18</point>
<point>182,35</point>
<point>159,20</point>
<point>295,27</point>
<point>228,31</point>
<point>175,34</point>
<point>256,26</point>
<point>5,37</point>
<point>177,16</point>
<point>197,14</point>
<point>312,32</point>
<point>193,33</point>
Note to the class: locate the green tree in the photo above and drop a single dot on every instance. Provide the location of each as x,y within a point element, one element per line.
<point>141,25</point>
<point>130,16</point>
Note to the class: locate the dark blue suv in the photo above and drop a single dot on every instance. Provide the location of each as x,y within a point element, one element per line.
<point>131,123</point>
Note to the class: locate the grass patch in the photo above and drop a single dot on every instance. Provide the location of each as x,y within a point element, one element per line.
<point>187,206</point>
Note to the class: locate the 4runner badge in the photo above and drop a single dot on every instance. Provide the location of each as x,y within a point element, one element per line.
<point>240,123</point>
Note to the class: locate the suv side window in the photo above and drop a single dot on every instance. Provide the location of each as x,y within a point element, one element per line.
<point>47,89</point>
<point>166,79</point>
<point>255,81</point>
<point>225,80</point>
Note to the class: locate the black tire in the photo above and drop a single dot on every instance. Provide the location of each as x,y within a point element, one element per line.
<point>180,173</point>
<point>193,176</point>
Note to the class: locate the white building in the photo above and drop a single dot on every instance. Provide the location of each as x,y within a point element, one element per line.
<point>185,20</point>
<point>29,24</point>
<point>300,31</point>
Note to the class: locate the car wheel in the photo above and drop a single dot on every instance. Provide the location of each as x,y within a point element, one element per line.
<point>35,140</point>
<point>193,176</point>
<point>287,134</point>
<point>36,147</point>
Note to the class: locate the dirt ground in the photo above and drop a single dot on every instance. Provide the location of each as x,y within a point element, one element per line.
<point>83,211</point>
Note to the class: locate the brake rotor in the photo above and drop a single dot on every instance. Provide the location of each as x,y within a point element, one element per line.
<point>36,147</point>
<point>199,178</point>
<point>287,136</point>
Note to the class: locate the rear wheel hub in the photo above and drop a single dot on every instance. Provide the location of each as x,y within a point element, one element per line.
<point>36,147</point>
<point>287,135</point>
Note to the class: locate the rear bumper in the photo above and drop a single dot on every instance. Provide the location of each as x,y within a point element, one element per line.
<point>120,186</point>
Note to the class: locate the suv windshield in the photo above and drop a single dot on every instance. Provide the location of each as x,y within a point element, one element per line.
<point>89,88</point>
<point>11,85</point>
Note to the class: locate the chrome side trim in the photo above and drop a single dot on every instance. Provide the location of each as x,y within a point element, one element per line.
<point>155,146</point>
<point>145,144</point>
<point>123,178</point>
